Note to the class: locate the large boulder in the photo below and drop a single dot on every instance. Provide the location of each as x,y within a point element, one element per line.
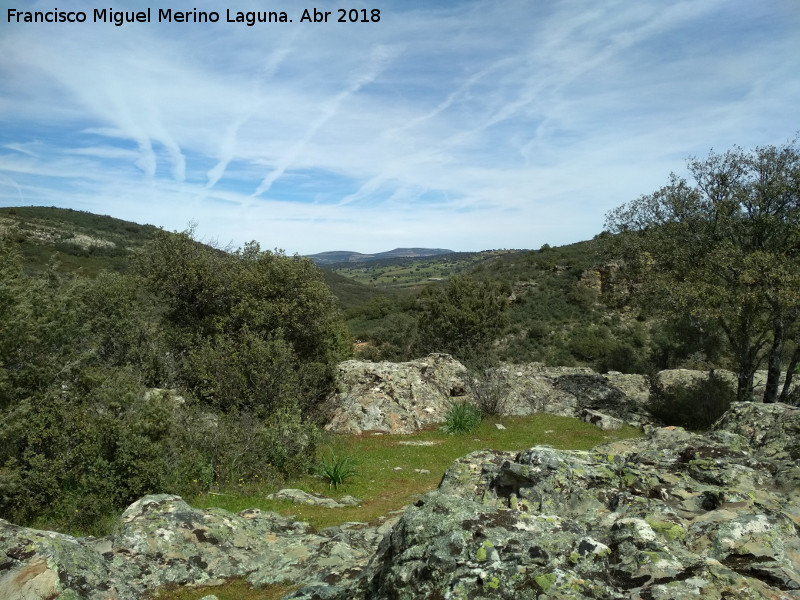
<point>405,397</point>
<point>161,540</point>
<point>394,397</point>
<point>672,515</point>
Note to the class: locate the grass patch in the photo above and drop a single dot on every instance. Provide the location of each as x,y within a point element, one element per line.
<point>461,418</point>
<point>392,468</point>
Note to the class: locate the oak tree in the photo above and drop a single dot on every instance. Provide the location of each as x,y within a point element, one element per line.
<point>724,249</point>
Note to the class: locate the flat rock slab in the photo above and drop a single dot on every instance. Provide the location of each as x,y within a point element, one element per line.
<point>305,498</point>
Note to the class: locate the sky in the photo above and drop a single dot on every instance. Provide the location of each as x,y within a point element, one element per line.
<point>468,125</point>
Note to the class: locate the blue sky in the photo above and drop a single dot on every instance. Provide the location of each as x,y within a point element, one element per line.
<point>463,125</point>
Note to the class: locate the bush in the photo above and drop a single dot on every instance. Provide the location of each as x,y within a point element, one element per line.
<point>253,327</point>
<point>695,406</point>
<point>462,318</point>
<point>462,417</point>
<point>490,393</point>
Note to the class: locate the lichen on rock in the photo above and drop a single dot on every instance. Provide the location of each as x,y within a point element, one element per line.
<point>671,515</point>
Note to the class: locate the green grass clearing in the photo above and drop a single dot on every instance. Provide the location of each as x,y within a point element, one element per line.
<point>234,589</point>
<point>388,467</point>
<point>387,478</point>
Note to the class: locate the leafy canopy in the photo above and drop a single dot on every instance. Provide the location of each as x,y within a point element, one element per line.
<point>723,249</point>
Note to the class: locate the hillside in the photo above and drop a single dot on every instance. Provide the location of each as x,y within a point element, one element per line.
<point>345,256</point>
<point>77,240</point>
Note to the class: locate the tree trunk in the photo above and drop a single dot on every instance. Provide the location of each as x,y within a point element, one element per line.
<point>744,387</point>
<point>774,363</point>
<point>789,374</point>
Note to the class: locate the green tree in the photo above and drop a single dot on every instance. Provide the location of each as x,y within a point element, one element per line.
<point>463,318</point>
<point>724,250</point>
<point>250,329</point>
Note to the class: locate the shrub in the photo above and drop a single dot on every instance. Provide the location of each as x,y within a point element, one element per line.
<point>462,318</point>
<point>693,406</point>
<point>462,417</point>
<point>490,393</point>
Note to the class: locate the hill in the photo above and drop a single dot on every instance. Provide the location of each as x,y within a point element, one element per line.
<point>345,256</point>
<point>77,240</point>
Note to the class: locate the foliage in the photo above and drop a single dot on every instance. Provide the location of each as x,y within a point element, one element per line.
<point>250,339</point>
<point>693,406</point>
<point>336,469</point>
<point>461,417</point>
<point>257,330</point>
<point>462,318</point>
<point>725,251</point>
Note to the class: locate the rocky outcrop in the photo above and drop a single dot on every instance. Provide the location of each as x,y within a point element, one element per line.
<point>161,539</point>
<point>405,397</point>
<point>394,397</point>
<point>672,515</point>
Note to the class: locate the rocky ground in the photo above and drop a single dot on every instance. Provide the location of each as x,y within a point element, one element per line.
<point>670,515</point>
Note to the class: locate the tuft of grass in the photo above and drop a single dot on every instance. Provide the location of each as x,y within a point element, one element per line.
<point>336,470</point>
<point>462,418</point>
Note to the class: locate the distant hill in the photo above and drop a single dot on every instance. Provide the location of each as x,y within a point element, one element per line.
<point>345,256</point>
<point>87,243</point>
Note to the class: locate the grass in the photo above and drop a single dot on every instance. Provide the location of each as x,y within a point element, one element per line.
<point>234,589</point>
<point>393,471</point>
<point>461,418</point>
<point>336,470</point>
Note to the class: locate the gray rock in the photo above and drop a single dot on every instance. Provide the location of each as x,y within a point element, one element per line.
<point>405,397</point>
<point>394,397</point>
<point>301,497</point>
<point>672,515</point>
<point>161,539</point>
<point>603,421</point>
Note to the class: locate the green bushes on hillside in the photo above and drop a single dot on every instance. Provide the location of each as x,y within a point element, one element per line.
<point>249,340</point>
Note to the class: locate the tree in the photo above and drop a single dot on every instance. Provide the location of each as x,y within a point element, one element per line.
<point>724,250</point>
<point>463,318</point>
<point>251,329</point>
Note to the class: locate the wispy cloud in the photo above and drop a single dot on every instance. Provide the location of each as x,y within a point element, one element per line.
<point>467,125</point>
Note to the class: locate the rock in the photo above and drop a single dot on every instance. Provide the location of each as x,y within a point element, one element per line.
<point>672,515</point>
<point>301,497</point>
<point>394,397</point>
<point>405,397</point>
<point>603,421</point>
<point>161,539</point>
<point>774,429</point>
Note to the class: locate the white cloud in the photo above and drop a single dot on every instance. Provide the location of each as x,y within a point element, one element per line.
<point>469,125</point>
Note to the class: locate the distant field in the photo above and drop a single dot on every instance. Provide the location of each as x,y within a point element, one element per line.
<point>412,273</point>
